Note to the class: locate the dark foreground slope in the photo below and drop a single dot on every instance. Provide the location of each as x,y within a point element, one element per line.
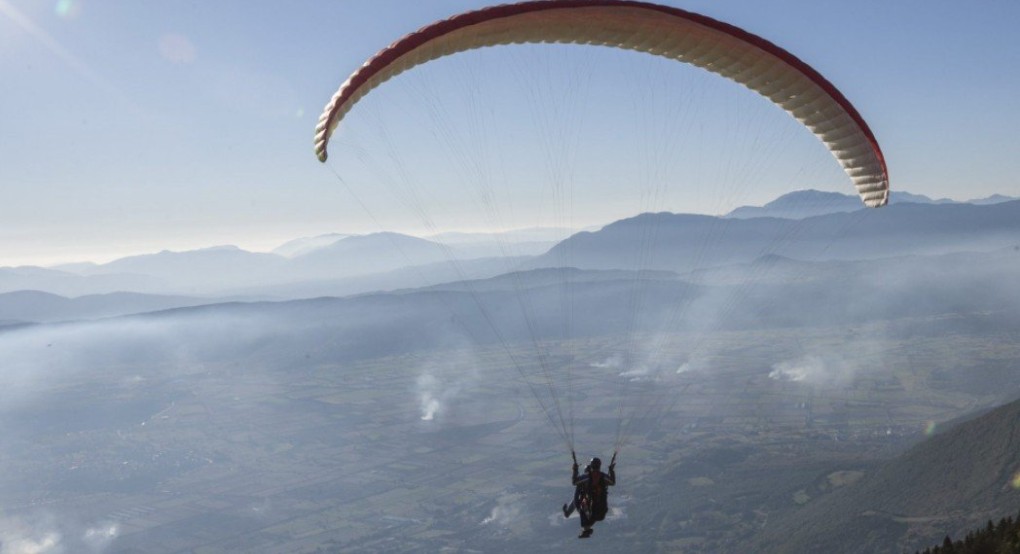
<point>1003,536</point>
<point>954,481</point>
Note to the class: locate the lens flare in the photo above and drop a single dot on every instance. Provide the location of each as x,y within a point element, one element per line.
<point>67,8</point>
<point>929,429</point>
<point>71,8</point>
<point>1016,480</point>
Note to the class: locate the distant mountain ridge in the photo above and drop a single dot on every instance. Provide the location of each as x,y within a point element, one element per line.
<point>374,253</point>
<point>43,307</point>
<point>305,245</point>
<point>808,203</point>
<point>684,242</point>
<point>800,204</point>
<point>230,259</point>
<point>910,286</point>
<point>72,284</point>
<point>534,234</point>
<point>338,264</point>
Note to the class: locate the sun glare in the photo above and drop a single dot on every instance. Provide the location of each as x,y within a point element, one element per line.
<point>67,8</point>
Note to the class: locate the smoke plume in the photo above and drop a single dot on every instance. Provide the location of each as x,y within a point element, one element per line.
<point>508,511</point>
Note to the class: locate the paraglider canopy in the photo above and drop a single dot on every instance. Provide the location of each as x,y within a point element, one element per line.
<point>645,27</point>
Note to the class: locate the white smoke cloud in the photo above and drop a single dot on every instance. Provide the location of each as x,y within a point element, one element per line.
<point>612,362</point>
<point>46,534</point>
<point>98,538</point>
<point>805,368</point>
<point>443,380</point>
<point>37,357</point>
<point>835,367</point>
<point>638,372</point>
<point>48,543</point>
<point>429,393</point>
<point>656,373</point>
<point>37,536</point>
<point>650,364</point>
<point>507,512</point>
<point>695,364</point>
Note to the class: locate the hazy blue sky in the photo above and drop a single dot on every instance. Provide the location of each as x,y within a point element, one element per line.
<point>135,126</point>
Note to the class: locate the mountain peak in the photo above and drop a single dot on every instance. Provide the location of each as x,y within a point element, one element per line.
<point>304,245</point>
<point>801,204</point>
<point>993,199</point>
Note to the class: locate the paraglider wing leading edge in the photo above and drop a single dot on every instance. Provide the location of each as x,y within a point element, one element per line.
<point>645,27</point>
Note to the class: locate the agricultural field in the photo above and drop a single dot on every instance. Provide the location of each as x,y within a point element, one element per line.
<point>461,448</point>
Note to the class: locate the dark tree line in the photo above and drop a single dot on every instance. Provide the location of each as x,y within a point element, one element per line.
<point>995,538</point>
